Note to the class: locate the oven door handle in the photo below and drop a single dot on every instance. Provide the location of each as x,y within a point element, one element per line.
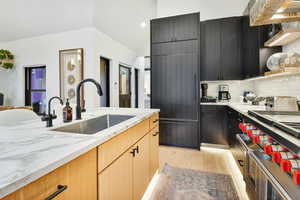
<point>269,176</point>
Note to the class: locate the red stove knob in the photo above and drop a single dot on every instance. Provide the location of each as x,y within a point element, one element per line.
<point>286,165</point>
<point>241,125</point>
<point>296,177</point>
<point>277,157</point>
<point>249,133</point>
<point>268,149</point>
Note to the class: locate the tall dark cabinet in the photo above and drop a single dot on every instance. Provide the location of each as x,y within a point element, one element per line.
<point>232,50</point>
<point>175,78</point>
<point>221,45</point>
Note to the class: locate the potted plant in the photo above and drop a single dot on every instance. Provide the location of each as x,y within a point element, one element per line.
<point>6,59</point>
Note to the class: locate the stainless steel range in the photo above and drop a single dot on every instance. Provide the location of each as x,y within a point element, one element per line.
<point>285,121</point>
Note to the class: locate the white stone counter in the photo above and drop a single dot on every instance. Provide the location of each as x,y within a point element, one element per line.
<point>29,151</point>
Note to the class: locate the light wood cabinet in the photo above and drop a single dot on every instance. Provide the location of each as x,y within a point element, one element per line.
<point>115,182</point>
<point>82,177</point>
<point>154,150</point>
<point>154,120</point>
<point>128,177</point>
<point>112,149</point>
<point>76,180</point>
<point>141,168</point>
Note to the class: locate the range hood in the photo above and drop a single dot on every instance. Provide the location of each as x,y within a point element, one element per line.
<point>264,12</point>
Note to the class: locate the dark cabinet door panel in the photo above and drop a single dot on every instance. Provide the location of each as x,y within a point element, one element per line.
<point>181,134</point>
<point>231,49</point>
<point>162,30</point>
<point>210,50</point>
<point>213,125</point>
<point>171,48</point>
<point>175,78</point>
<point>175,93</point>
<point>250,49</point>
<point>185,27</point>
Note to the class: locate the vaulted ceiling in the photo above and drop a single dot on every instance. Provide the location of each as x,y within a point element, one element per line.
<point>120,19</point>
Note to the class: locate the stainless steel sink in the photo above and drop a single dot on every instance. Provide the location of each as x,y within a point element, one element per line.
<point>94,125</point>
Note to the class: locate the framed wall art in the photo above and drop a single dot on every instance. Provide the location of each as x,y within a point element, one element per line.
<point>71,73</point>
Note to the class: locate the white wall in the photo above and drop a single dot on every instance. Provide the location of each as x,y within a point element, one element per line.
<point>209,9</point>
<point>44,50</point>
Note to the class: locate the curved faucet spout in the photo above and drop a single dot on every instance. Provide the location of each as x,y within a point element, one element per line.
<point>78,107</point>
<point>50,100</point>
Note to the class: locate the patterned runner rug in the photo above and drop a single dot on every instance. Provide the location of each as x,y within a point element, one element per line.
<point>186,184</point>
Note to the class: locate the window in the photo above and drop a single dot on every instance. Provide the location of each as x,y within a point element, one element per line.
<point>35,90</point>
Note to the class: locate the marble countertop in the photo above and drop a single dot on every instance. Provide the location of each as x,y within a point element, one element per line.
<point>29,151</point>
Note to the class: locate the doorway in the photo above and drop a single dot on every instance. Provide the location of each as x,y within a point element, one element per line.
<point>147,83</point>
<point>35,88</point>
<point>124,87</point>
<point>136,81</point>
<point>104,82</point>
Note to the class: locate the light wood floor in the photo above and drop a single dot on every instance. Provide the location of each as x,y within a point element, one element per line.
<point>208,159</point>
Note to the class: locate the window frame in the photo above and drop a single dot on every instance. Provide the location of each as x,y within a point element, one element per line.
<point>28,86</point>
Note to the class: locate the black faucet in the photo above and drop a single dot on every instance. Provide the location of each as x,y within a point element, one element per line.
<point>99,91</point>
<point>48,118</point>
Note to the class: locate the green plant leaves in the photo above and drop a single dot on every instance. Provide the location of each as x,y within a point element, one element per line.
<point>6,59</point>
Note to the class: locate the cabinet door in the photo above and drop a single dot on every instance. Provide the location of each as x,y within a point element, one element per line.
<point>231,49</point>
<point>210,50</point>
<point>213,125</point>
<point>250,49</point>
<point>141,168</point>
<point>162,30</point>
<point>154,150</point>
<point>180,134</point>
<point>172,75</point>
<point>82,177</point>
<point>115,182</point>
<point>47,185</point>
<point>186,27</point>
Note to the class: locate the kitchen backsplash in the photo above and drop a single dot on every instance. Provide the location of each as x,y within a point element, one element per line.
<point>277,86</point>
<point>236,88</point>
<point>283,86</point>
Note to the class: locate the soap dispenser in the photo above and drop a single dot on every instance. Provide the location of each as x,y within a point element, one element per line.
<point>67,112</point>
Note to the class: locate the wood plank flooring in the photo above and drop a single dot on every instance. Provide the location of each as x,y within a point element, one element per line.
<point>208,159</point>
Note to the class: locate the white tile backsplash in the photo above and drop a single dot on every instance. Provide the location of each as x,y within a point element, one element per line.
<point>236,88</point>
<point>279,86</point>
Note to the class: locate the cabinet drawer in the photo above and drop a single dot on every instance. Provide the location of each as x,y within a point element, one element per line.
<point>154,151</point>
<point>112,149</point>
<point>47,185</point>
<point>154,121</point>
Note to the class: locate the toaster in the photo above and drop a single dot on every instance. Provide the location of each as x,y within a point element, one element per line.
<point>282,103</point>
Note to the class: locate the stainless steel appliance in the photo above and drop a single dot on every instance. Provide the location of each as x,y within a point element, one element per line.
<point>282,103</point>
<point>241,154</point>
<point>268,181</point>
<point>224,94</point>
<point>285,121</point>
<point>264,179</point>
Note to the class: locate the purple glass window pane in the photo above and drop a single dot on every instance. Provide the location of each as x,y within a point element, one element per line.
<point>38,100</point>
<point>38,79</point>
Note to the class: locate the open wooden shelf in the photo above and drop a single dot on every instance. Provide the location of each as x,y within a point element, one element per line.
<point>283,38</point>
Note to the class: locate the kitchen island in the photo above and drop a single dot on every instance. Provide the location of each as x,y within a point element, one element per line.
<point>37,162</point>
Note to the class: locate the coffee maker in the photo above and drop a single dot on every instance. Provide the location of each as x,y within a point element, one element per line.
<point>224,94</point>
<point>204,97</point>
